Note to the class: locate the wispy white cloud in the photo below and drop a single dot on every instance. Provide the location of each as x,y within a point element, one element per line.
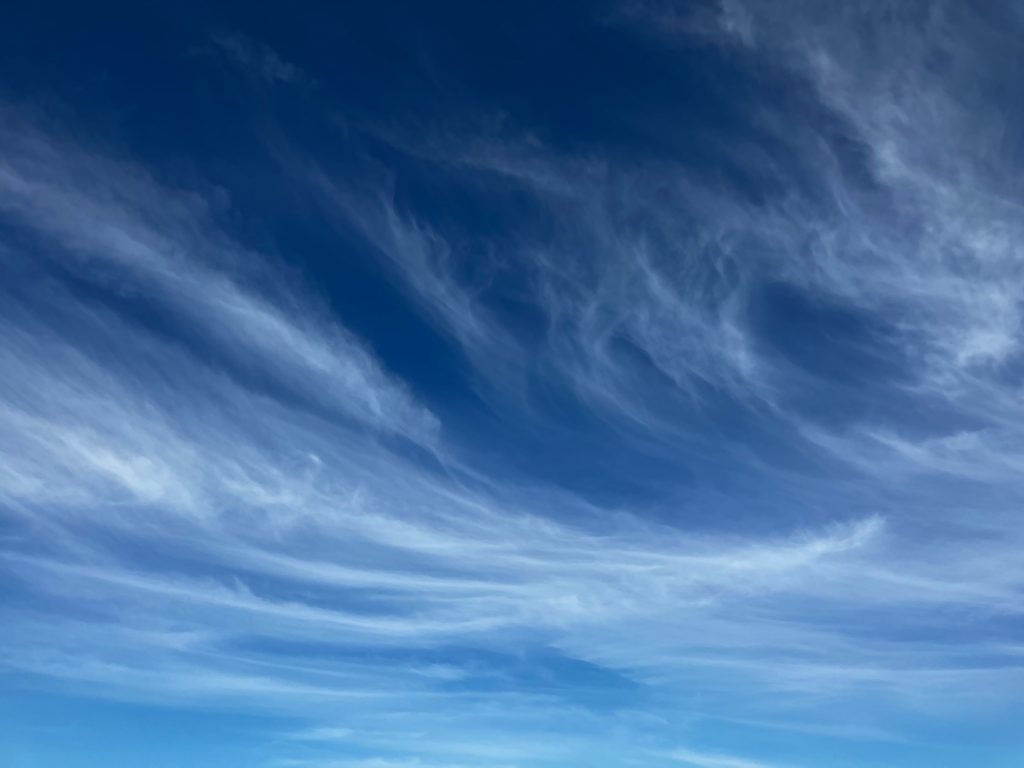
<point>712,760</point>
<point>215,535</point>
<point>118,226</point>
<point>258,58</point>
<point>623,275</point>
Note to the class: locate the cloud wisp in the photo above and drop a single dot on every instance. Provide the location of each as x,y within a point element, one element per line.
<point>733,446</point>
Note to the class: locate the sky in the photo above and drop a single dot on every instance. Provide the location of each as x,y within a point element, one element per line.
<point>512,384</point>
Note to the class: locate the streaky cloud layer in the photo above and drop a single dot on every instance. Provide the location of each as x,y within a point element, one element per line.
<point>425,421</point>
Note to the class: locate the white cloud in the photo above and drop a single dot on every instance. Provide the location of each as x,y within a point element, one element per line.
<point>275,527</point>
<point>119,227</point>
<point>712,760</point>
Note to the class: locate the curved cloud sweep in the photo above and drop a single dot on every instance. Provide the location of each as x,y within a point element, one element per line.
<point>684,433</point>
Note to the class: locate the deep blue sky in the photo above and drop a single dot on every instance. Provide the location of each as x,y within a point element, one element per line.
<point>435,385</point>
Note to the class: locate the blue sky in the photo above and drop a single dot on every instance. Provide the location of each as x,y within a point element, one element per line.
<point>436,385</point>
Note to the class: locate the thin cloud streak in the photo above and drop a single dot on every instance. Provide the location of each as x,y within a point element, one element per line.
<point>161,244</point>
<point>240,505</point>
